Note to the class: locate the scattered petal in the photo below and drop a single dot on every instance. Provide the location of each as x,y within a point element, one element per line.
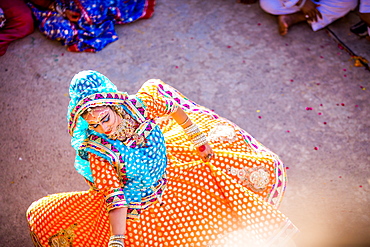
<point>356,105</point>
<point>259,24</point>
<point>325,122</point>
<point>344,69</point>
<point>309,108</point>
<point>319,113</point>
<point>287,168</point>
<point>259,117</point>
<point>308,49</point>
<point>286,44</point>
<point>316,148</point>
<point>318,83</point>
<point>343,104</point>
<point>229,46</point>
<point>340,176</point>
<point>243,61</point>
<point>345,75</point>
<point>321,104</point>
<point>340,47</point>
<point>288,131</point>
<point>291,80</point>
<point>176,67</point>
<point>360,186</point>
<point>321,57</point>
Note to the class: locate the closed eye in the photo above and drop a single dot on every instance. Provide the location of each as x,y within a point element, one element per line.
<point>103,120</point>
<point>106,118</point>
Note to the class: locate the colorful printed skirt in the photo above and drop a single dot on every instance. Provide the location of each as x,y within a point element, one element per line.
<point>230,201</point>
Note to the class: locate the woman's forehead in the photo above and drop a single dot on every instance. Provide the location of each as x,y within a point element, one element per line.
<point>96,113</point>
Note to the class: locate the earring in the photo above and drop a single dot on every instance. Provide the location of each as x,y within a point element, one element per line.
<point>118,110</point>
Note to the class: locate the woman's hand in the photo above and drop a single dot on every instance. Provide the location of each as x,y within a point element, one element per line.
<point>205,152</point>
<point>310,11</point>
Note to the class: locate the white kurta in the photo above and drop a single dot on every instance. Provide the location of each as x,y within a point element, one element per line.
<point>330,10</point>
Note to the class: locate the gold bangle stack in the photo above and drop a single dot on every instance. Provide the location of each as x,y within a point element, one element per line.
<point>195,135</point>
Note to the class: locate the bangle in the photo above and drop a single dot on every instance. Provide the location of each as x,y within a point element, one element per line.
<point>115,243</point>
<point>115,237</point>
<point>191,129</point>
<point>186,120</point>
<point>200,141</point>
<point>301,4</point>
<point>196,136</point>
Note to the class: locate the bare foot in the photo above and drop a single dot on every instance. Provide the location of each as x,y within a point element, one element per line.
<point>286,21</point>
<point>283,21</point>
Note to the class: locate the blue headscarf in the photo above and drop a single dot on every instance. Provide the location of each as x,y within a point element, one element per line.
<point>88,89</point>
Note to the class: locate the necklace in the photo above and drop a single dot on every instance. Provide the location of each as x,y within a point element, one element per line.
<point>126,129</point>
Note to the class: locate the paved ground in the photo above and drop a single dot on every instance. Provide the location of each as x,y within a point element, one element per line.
<point>226,56</point>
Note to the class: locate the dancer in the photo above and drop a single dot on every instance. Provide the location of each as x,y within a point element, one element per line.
<point>163,171</point>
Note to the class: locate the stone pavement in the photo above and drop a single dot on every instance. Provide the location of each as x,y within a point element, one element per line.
<point>300,95</point>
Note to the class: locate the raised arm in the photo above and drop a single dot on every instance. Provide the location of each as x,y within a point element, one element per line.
<point>203,148</point>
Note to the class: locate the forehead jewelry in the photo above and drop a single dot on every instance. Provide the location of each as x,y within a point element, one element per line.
<point>99,117</point>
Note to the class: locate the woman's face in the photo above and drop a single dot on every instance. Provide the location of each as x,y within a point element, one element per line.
<point>102,119</point>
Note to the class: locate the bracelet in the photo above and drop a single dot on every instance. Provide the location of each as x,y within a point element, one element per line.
<point>115,243</point>
<point>186,120</point>
<point>115,237</point>
<point>301,4</point>
<point>196,136</point>
<point>191,129</point>
<point>200,141</point>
